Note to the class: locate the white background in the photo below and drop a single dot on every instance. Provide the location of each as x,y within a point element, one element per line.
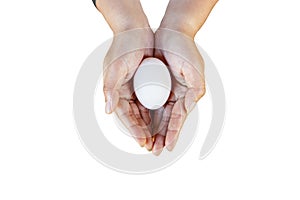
<point>255,45</point>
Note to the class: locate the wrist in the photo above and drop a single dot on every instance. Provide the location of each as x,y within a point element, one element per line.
<point>122,15</point>
<point>187,16</point>
<point>129,23</point>
<point>179,24</point>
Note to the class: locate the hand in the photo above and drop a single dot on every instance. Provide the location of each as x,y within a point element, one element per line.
<point>133,40</point>
<point>188,85</point>
<point>123,58</point>
<point>179,52</point>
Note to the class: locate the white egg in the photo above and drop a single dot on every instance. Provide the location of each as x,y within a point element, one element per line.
<point>152,83</point>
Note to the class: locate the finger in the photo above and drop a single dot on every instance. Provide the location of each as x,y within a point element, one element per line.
<point>158,144</point>
<point>128,118</point>
<point>145,113</point>
<point>142,124</point>
<point>161,132</point>
<point>165,119</point>
<point>114,76</point>
<point>159,115</point>
<point>156,119</point>
<point>177,119</point>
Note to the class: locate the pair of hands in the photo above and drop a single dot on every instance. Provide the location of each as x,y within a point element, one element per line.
<point>173,44</point>
<point>180,54</point>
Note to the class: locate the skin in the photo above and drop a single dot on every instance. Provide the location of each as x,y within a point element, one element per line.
<point>183,16</point>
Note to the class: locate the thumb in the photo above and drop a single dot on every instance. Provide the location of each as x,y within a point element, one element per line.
<point>111,100</point>
<point>114,76</point>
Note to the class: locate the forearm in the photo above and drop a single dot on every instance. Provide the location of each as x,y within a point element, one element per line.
<point>187,16</point>
<point>122,15</point>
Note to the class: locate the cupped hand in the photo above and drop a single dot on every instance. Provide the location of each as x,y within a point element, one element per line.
<point>127,51</point>
<point>186,67</point>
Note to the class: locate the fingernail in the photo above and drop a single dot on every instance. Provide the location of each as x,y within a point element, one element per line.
<point>141,141</point>
<point>108,107</point>
<point>170,146</point>
<point>149,144</point>
<point>157,152</point>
